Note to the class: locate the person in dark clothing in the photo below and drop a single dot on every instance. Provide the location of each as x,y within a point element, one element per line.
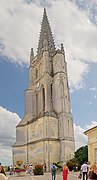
<point>53,171</point>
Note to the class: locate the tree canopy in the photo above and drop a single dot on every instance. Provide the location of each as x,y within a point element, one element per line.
<point>82,154</point>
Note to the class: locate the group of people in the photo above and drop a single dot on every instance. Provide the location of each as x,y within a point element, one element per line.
<point>88,172</point>
<point>64,171</point>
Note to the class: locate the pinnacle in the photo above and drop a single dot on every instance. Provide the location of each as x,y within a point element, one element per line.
<point>46,35</point>
<point>31,55</point>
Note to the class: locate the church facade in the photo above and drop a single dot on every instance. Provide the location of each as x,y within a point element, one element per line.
<point>46,133</point>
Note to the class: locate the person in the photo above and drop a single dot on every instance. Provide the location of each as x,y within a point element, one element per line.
<point>30,169</point>
<point>53,171</point>
<point>2,176</point>
<point>2,170</point>
<point>27,170</point>
<point>45,167</point>
<point>11,170</point>
<point>65,172</point>
<point>93,172</point>
<point>84,170</point>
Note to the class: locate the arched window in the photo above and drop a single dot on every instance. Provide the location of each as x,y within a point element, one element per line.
<point>43,98</point>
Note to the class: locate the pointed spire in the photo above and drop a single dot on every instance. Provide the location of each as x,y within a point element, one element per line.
<point>46,38</point>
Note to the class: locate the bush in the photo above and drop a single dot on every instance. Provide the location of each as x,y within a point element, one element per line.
<point>59,166</point>
<point>72,164</point>
<point>38,170</point>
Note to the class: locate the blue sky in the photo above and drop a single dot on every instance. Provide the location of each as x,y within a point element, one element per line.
<point>84,101</point>
<point>14,81</point>
<point>73,23</point>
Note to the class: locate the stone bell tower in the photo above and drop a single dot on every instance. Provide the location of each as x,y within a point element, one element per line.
<point>46,134</point>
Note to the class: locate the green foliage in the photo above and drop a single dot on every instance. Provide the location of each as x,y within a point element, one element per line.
<point>38,170</point>
<point>72,163</point>
<point>81,154</point>
<point>59,166</point>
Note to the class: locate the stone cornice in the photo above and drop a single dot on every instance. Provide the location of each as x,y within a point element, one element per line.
<point>44,114</point>
<point>36,141</point>
<point>59,73</point>
<point>67,139</point>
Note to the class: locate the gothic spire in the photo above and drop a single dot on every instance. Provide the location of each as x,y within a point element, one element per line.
<point>46,38</point>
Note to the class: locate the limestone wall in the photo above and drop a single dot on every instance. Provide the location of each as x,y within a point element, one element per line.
<point>20,153</point>
<point>43,128</point>
<point>92,145</point>
<point>44,152</point>
<point>21,135</point>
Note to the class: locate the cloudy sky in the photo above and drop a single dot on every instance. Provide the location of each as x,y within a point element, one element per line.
<point>74,23</point>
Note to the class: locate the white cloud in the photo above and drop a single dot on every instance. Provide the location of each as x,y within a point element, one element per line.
<point>95,97</point>
<point>8,122</point>
<point>19,31</point>
<point>80,137</point>
<point>76,75</point>
<point>90,102</point>
<point>93,89</point>
<point>92,124</point>
<point>78,35</point>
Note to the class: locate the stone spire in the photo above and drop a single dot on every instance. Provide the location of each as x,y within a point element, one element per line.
<point>46,39</point>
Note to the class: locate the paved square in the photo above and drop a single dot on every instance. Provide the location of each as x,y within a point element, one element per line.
<point>47,176</point>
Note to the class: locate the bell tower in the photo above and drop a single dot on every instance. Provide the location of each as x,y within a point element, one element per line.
<point>46,134</point>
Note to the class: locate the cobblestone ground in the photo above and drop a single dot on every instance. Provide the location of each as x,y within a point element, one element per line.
<point>47,176</point>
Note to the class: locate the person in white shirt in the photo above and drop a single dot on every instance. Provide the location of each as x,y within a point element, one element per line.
<point>84,169</point>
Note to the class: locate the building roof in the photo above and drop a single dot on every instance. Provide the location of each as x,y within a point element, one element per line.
<point>87,131</point>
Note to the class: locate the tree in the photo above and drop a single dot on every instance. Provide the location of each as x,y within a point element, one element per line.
<point>81,154</point>
<point>72,163</point>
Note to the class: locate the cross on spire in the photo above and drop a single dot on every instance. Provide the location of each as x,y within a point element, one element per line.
<point>46,37</point>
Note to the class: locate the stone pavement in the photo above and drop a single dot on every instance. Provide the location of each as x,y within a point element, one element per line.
<point>47,176</point>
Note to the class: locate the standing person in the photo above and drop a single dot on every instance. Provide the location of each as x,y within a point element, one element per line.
<point>45,167</point>
<point>11,170</point>
<point>84,169</point>
<point>65,172</point>
<point>53,171</point>
<point>2,176</point>
<point>93,172</point>
<point>3,171</point>
<point>30,169</point>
